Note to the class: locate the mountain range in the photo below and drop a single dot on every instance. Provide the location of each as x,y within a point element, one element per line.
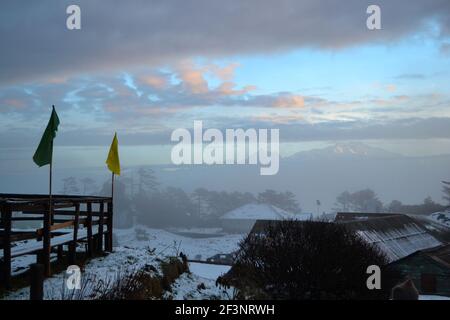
<point>322,174</point>
<point>319,174</point>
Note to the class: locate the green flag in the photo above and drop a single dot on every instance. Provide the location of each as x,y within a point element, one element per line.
<point>44,151</point>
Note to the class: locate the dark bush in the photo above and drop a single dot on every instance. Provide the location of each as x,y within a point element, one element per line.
<point>306,260</point>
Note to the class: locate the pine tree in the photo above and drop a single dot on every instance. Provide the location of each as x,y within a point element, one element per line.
<point>70,186</point>
<point>446,190</point>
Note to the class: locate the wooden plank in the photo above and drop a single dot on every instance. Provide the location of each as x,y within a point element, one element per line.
<point>70,213</point>
<point>20,236</point>
<point>36,246</point>
<point>26,218</point>
<point>23,236</point>
<point>61,220</point>
<point>54,227</point>
<point>63,213</point>
<point>80,221</point>
<point>44,197</point>
<point>40,207</point>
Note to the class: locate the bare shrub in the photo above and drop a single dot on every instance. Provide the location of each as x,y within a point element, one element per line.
<point>306,260</point>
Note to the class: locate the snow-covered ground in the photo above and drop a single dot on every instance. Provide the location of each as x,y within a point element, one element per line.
<point>208,271</point>
<point>431,297</point>
<point>200,284</point>
<point>172,244</point>
<point>104,269</point>
<point>20,264</point>
<point>217,231</point>
<point>132,254</point>
<point>190,286</point>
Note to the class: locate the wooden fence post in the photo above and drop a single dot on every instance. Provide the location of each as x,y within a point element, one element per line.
<point>46,246</point>
<point>76,222</point>
<point>89,229</point>
<point>7,225</point>
<point>60,252</point>
<point>110,226</point>
<point>37,281</point>
<point>73,243</point>
<point>72,248</point>
<point>100,227</point>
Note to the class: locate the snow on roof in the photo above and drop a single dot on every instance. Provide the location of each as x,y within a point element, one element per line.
<point>254,211</point>
<point>396,235</point>
<point>441,217</point>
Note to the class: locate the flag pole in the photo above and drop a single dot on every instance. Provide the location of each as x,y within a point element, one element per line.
<point>112,187</point>
<point>44,156</point>
<point>114,165</point>
<point>48,218</point>
<point>50,187</point>
<point>110,224</point>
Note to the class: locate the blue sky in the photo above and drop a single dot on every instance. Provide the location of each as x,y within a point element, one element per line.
<point>312,69</point>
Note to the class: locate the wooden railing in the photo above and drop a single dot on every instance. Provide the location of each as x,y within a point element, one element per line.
<point>62,228</point>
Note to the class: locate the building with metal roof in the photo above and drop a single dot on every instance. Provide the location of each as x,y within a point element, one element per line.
<point>243,218</point>
<point>429,269</point>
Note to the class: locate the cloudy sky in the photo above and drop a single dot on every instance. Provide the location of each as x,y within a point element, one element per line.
<point>310,68</point>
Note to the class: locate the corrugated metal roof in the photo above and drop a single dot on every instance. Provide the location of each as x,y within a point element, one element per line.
<point>440,254</point>
<point>436,229</point>
<point>396,235</point>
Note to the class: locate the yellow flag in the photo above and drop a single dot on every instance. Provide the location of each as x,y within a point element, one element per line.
<point>113,157</point>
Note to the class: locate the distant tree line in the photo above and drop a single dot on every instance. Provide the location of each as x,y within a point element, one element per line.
<point>139,197</point>
<point>360,201</point>
<point>216,203</point>
<point>367,201</point>
<point>173,206</point>
<point>84,186</point>
<point>428,206</point>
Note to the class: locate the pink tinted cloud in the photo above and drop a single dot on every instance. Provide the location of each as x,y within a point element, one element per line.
<point>289,101</point>
<point>228,88</point>
<point>192,78</point>
<point>155,81</point>
<point>278,119</point>
<point>391,87</point>
<point>225,73</point>
<point>14,103</point>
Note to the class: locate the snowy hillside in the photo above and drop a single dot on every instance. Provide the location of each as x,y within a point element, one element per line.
<point>131,255</point>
